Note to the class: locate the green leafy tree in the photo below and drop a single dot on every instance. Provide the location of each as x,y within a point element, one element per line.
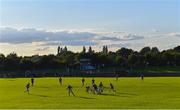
<point>145,50</point>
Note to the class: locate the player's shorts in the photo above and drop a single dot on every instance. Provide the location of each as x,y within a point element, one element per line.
<point>27,89</point>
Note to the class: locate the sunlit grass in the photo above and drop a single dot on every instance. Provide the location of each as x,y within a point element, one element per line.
<point>155,92</point>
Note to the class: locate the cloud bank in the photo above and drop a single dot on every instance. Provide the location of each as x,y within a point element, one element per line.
<point>28,41</point>
<point>54,38</point>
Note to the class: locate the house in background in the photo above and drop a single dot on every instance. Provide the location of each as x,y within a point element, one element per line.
<point>85,65</point>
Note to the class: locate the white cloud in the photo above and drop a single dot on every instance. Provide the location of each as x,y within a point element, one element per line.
<point>73,38</point>
<point>119,45</point>
<point>27,41</point>
<point>42,49</point>
<point>175,34</point>
<point>70,43</point>
<point>118,36</point>
<point>155,30</point>
<point>11,35</point>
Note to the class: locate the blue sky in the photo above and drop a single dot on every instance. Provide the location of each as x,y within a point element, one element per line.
<point>115,15</point>
<point>137,17</point>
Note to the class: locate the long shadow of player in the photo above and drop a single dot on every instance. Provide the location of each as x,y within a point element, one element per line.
<point>118,95</point>
<point>39,95</point>
<point>85,97</point>
<point>115,95</point>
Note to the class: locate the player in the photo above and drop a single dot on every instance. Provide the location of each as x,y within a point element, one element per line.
<point>93,81</point>
<point>83,80</point>
<point>69,88</point>
<point>112,87</point>
<point>100,87</point>
<point>142,77</point>
<point>88,89</point>
<point>95,88</point>
<point>27,88</point>
<point>32,81</point>
<point>60,80</point>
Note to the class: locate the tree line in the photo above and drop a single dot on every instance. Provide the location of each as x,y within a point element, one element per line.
<point>122,58</point>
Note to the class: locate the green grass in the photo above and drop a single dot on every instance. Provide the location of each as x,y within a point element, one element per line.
<point>153,92</point>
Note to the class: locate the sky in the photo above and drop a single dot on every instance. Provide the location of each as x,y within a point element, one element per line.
<point>30,27</point>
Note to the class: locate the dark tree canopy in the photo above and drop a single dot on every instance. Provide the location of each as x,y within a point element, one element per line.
<point>122,58</point>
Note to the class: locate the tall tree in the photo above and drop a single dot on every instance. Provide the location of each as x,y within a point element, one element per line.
<point>177,49</point>
<point>90,50</point>
<point>132,60</point>
<point>145,50</point>
<point>154,50</point>
<point>84,49</point>
<point>124,52</point>
<point>58,50</point>
<point>2,61</point>
<point>65,49</point>
<point>12,61</point>
<point>105,49</point>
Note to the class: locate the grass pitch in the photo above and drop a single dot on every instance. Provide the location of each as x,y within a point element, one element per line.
<point>153,92</point>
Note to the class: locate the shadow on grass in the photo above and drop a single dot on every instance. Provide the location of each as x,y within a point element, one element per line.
<point>117,94</point>
<point>39,95</point>
<point>84,97</point>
